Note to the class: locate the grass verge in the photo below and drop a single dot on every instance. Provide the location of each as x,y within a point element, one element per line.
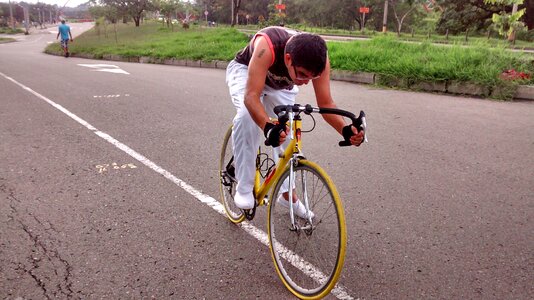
<point>156,41</point>
<point>383,55</point>
<point>6,40</point>
<point>387,56</point>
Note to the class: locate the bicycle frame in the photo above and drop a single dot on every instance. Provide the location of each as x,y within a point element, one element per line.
<point>287,158</point>
<point>260,190</point>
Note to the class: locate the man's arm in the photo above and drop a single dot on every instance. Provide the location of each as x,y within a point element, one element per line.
<point>321,86</point>
<point>58,33</point>
<point>257,72</point>
<point>70,34</point>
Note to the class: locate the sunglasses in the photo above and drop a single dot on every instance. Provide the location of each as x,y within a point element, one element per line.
<point>302,77</point>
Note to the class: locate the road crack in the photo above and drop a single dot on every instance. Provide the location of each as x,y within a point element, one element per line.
<point>49,270</point>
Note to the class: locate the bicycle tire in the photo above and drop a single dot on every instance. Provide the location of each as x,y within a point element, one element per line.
<point>227,182</point>
<point>309,265</point>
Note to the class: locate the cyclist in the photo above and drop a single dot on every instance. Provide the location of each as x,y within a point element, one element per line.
<point>266,73</point>
<point>64,31</point>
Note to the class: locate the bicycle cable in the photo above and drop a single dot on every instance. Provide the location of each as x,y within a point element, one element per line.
<point>313,127</point>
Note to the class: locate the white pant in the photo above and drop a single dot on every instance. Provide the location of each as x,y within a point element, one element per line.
<point>246,135</point>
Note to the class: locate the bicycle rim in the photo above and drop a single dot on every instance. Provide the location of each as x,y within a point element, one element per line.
<point>309,263</point>
<point>227,181</point>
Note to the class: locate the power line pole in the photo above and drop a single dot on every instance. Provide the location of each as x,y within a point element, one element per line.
<point>26,19</point>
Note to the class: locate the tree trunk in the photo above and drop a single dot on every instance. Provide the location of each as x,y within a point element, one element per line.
<point>385,20</point>
<point>115,29</point>
<point>511,37</point>
<point>401,20</point>
<point>529,15</point>
<point>235,10</point>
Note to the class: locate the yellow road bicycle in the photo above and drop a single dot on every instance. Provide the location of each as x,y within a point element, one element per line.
<point>309,252</point>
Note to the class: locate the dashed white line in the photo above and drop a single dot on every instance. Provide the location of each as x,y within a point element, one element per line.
<point>339,291</point>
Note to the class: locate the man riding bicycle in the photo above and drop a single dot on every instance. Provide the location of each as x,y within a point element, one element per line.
<point>267,73</point>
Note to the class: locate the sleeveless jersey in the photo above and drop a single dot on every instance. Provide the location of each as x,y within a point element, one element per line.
<point>277,76</point>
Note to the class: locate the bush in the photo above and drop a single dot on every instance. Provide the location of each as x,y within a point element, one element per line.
<point>526,35</point>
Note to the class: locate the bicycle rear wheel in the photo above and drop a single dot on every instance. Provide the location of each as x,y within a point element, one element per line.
<point>227,180</point>
<point>308,259</point>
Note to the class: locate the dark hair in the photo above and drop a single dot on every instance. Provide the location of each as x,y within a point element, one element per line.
<point>308,51</point>
<point>62,21</point>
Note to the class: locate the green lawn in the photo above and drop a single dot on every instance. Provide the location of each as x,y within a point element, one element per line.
<point>389,56</point>
<point>156,41</point>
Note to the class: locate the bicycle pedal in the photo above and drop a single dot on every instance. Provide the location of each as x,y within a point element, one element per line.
<point>250,213</point>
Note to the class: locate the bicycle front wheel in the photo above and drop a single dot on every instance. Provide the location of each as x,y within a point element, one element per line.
<point>308,256</point>
<point>227,181</point>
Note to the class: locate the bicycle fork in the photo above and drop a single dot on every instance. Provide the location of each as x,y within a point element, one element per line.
<point>308,227</point>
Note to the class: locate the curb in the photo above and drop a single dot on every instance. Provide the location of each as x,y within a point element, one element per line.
<point>523,92</point>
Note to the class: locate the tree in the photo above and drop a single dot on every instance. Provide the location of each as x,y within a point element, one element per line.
<point>508,23</point>
<point>461,15</point>
<point>136,8</point>
<point>336,13</point>
<point>236,4</point>
<point>169,9</point>
<point>255,9</point>
<point>402,9</point>
<point>132,8</point>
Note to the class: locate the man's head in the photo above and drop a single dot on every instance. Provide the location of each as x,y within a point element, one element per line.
<point>62,21</point>
<point>306,53</point>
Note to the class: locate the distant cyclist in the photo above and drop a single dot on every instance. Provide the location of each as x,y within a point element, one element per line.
<point>64,31</point>
<point>265,74</point>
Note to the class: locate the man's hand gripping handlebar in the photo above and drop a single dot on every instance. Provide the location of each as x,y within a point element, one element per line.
<point>272,132</point>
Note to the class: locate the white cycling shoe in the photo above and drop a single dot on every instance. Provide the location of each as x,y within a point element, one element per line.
<point>244,201</point>
<point>298,207</point>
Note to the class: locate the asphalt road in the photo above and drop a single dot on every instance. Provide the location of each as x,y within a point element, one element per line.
<point>439,203</point>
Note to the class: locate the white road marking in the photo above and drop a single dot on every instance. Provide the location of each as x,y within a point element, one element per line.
<point>105,68</point>
<point>110,96</point>
<point>339,291</point>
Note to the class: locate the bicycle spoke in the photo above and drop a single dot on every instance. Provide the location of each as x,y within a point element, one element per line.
<point>305,248</point>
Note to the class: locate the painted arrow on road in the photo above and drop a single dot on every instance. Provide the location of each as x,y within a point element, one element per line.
<point>105,68</point>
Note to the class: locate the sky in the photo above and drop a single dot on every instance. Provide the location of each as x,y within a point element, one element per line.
<point>60,3</point>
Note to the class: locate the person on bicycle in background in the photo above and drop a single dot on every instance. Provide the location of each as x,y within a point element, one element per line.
<point>64,31</point>
<point>267,73</point>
